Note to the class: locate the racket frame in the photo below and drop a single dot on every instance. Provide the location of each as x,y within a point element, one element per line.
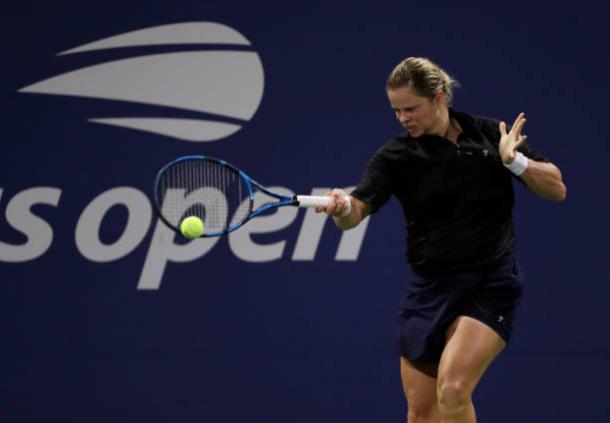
<point>283,200</point>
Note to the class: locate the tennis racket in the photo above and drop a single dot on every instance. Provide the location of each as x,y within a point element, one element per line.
<point>218,193</point>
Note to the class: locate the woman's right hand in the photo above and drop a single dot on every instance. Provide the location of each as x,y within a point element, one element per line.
<point>340,205</point>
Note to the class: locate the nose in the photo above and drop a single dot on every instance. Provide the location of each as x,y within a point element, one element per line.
<point>403,117</point>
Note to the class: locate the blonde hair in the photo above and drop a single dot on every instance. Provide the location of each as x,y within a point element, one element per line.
<point>423,76</point>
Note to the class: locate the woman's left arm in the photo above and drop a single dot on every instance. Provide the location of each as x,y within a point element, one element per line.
<point>542,178</point>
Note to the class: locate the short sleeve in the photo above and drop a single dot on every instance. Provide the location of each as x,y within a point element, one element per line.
<point>374,187</point>
<point>530,153</point>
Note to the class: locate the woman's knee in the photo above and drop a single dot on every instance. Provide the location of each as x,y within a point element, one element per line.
<point>453,394</point>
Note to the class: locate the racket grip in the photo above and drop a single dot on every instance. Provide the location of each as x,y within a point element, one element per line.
<point>321,200</point>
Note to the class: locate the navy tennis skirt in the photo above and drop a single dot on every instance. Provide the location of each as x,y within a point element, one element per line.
<point>433,301</point>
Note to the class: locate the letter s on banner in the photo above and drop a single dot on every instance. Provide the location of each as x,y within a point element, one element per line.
<point>38,232</point>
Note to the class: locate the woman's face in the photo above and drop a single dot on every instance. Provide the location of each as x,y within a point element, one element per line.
<point>419,115</point>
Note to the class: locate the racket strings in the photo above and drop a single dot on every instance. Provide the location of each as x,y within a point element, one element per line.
<point>215,193</point>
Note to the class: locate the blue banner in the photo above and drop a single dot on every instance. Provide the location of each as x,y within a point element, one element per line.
<point>107,315</point>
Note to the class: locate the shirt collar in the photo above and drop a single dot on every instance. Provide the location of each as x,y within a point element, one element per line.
<point>465,120</point>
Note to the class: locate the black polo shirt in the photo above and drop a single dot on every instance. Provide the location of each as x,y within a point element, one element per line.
<point>457,200</point>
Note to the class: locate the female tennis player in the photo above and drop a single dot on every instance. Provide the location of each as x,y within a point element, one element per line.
<point>452,173</point>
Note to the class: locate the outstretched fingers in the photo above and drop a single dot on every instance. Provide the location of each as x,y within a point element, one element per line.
<point>502,129</point>
<point>518,125</point>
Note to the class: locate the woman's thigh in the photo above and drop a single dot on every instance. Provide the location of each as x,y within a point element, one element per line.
<point>471,347</point>
<point>419,383</point>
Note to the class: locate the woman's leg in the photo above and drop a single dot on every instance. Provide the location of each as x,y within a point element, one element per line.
<point>419,383</point>
<point>471,346</point>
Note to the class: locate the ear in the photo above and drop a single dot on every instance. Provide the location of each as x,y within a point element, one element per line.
<point>440,99</point>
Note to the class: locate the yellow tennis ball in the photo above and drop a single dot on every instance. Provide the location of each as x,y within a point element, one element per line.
<point>191,227</point>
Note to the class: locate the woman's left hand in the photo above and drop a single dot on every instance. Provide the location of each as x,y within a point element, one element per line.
<point>511,141</point>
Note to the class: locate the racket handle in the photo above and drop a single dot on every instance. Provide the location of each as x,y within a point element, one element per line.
<point>321,200</point>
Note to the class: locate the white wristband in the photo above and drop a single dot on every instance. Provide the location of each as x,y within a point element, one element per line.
<point>518,165</point>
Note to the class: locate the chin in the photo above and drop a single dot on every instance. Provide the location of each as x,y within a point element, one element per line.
<point>415,133</point>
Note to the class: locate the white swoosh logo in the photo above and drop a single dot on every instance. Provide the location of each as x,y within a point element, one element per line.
<point>185,129</point>
<point>182,33</point>
<point>222,83</point>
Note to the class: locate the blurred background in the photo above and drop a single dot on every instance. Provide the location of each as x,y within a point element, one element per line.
<point>105,317</point>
